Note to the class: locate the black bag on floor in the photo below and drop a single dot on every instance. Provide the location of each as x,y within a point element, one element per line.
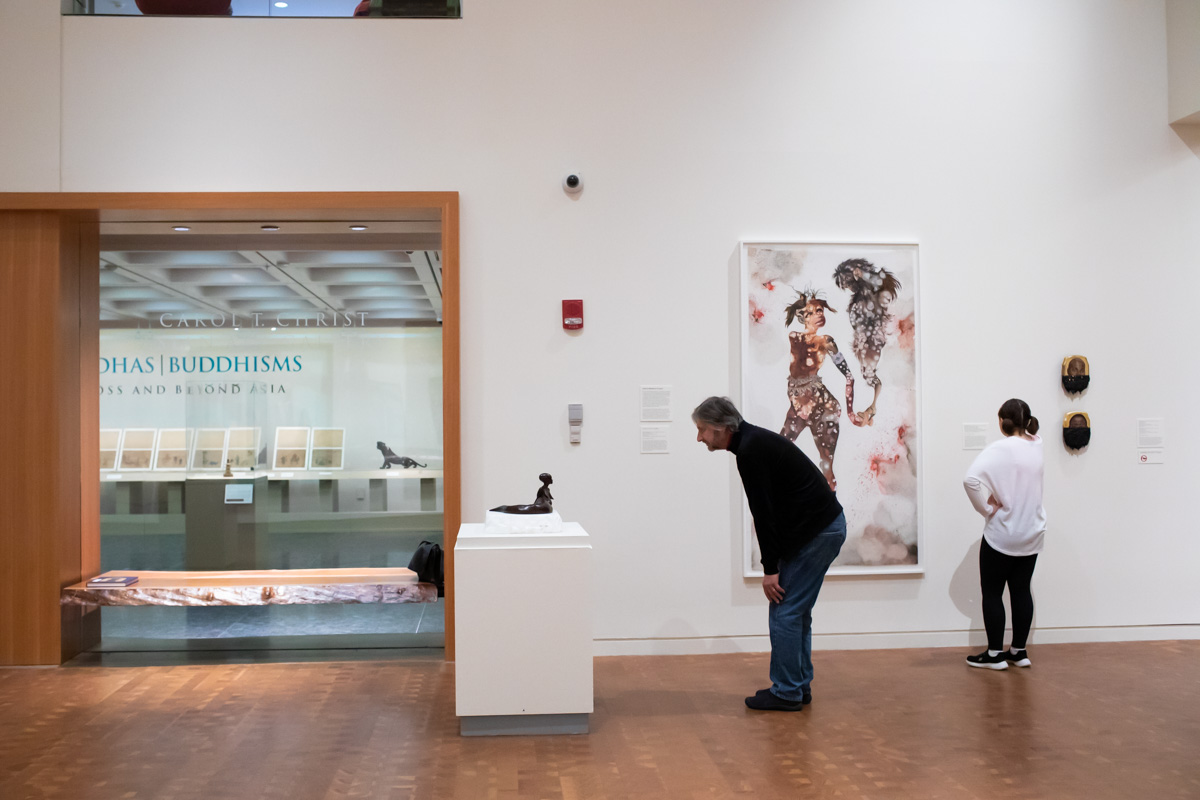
<point>427,563</point>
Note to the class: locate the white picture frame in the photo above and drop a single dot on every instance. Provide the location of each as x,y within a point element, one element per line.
<point>208,449</point>
<point>137,450</point>
<point>327,449</point>
<point>110,448</point>
<point>242,448</point>
<point>877,466</point>
<point>291,448</point>
<point>172,449</point>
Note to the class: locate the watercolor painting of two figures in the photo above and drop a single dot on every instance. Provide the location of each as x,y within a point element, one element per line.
<point>829,359</point>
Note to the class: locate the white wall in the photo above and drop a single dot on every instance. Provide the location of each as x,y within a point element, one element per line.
<point>1023,144</point>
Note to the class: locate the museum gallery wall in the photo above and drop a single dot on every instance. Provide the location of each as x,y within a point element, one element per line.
<point>829,359</point>
<point>352,388</point>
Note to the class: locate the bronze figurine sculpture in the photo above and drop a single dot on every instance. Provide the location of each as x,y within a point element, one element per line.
<point>544,504</point>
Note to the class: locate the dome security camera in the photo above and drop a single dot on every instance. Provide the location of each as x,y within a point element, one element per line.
<point>573,183</point>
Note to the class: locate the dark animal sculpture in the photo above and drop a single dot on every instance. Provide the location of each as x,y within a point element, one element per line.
<point>543,504</point>
<point>390,458</point>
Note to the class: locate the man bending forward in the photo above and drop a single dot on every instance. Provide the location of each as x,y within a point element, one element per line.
<point>800,528</point>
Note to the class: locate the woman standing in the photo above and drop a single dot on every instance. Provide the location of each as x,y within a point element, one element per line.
<point>1005,486</point>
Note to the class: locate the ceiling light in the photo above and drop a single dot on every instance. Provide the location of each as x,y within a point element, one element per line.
<point>270,227</point>
<point>281,5</point>
<point>358,227</point>
<point>181,228</point>
<point>272,329</point>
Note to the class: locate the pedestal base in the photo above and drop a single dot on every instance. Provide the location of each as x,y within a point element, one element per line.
<point>524,725</point>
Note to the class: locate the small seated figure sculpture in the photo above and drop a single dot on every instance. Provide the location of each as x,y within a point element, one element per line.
<point>543,504</point>
<point>390,458</point>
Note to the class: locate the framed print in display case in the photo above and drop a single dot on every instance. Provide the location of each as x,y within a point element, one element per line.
<point>172,449</point>
<point>137,448</point>
<point>209,452</point>
<point>327,448</point>
<point>291,448</point>
<point>829,359</point>
<point>243,450</point>
<point>110,445</point>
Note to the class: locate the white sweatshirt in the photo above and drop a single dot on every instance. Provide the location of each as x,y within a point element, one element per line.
<point>1010,471</point>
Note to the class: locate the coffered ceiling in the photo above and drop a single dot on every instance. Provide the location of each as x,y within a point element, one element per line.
<point>384,271</point>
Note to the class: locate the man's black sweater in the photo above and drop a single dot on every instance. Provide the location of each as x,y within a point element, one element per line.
<point>789,499</point>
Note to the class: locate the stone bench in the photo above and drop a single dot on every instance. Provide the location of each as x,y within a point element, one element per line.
<point>266,587</point>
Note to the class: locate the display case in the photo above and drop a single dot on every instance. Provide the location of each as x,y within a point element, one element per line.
<point>306,437</point>
<point>209,452</point>
<point>243,448</point>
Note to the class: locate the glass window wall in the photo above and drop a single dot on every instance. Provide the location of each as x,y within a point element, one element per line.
<point>312,376</point>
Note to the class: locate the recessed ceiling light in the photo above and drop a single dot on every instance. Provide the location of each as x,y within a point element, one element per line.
<point>270,227</point>
<point>272,329</point>
<point>358,227</point>
<point>281,5</point>
<point>181,228</point>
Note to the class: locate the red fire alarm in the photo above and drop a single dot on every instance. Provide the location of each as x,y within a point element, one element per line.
<point>572,315</point>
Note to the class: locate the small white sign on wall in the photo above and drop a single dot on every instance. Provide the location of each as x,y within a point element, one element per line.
<point>1151,433</point>
<point>239,493</point>
<point>974,435</point>
<point>656,438</point>
<point>656,403</point>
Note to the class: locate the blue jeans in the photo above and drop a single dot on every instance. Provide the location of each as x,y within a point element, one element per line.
<point>790,621</point>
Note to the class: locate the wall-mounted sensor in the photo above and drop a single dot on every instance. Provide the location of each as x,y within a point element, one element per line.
<point>575,420</point>
<point>573,183</point>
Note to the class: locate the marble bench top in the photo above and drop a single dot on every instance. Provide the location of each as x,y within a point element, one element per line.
<point>257,588</point>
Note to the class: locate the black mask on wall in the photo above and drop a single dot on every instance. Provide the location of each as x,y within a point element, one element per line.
<point>1074,384</point>
<point>1077,438</point>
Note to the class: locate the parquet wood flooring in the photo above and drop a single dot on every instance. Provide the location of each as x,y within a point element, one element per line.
<point>1087,721</point>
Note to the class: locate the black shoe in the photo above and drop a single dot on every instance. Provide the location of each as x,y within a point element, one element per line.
<point>771,702</point>
<point>804,700</point>
<point>985,661</point>
<point>1017,659</point>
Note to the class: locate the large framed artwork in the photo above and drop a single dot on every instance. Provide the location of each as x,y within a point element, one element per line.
<point>830,359</point>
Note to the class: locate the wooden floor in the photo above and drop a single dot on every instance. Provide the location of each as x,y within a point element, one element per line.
<point>1087,721</point>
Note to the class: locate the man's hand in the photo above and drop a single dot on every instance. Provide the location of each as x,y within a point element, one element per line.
<point>772,589</point>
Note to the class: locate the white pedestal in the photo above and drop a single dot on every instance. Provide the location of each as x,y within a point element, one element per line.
<point>523,631</point>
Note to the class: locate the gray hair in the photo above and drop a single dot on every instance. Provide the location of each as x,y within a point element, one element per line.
<point>719,412</point>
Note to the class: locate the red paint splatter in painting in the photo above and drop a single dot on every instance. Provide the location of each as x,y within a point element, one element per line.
<point>770,286</point>
<point>906,331</point>
<point>878,460</point>
<point>756,313</point>
<point>886,456</point>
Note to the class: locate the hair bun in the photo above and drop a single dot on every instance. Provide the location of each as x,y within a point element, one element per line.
<point>1031,425</point>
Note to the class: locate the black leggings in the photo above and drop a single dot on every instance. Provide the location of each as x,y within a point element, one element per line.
<point>995,570</point>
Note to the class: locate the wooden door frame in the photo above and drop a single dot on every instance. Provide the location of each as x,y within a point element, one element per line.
<point>89,206</point>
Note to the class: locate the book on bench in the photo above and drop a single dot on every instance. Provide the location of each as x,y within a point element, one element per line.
<point>111,581</point>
